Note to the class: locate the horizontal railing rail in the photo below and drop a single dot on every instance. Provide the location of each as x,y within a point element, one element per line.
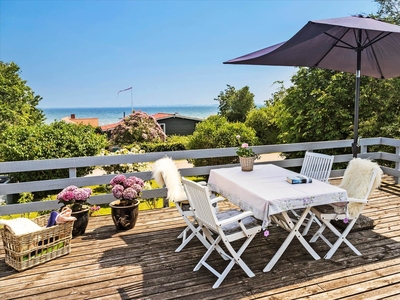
<point>7,168</point>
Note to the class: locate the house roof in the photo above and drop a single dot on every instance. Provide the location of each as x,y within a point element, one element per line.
<point>109,126</point>
<point>163,116</point>
<point>158,116</point>
<point>85,121</point>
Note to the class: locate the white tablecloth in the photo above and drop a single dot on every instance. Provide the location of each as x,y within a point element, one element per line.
<point>265,192</point>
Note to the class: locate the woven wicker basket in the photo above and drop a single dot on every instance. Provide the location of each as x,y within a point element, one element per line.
<point>28,250</point>
<point>247,163</point>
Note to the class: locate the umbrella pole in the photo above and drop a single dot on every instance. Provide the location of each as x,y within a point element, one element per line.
<point>357,99</point>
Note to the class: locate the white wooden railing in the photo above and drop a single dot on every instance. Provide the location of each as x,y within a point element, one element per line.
<point>8,168</point>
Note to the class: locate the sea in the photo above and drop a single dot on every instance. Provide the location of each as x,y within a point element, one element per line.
<point>110,115</point>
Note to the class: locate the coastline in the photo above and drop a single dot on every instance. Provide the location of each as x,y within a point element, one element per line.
<point>110,115</point>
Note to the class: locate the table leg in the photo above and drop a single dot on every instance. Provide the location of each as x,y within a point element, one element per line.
<point>293,233</point>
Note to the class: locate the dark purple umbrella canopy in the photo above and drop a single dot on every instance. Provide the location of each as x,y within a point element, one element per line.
<point>359,45</point>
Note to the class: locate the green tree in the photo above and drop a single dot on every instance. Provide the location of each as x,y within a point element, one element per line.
<point>235,104</point>
<point>56,140</point>
<point>17,100</point>
<point>138,127</point>
<point>263,121</point>
<point>217,132</point>
<point>389,10</point>
<point>320,106</point>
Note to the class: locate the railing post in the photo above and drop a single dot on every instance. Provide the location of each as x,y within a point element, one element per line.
<point>72,172</point>
<point>397,166</point>
<point>363,149</point>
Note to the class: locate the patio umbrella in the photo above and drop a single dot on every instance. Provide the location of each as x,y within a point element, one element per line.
<point>359,45</point>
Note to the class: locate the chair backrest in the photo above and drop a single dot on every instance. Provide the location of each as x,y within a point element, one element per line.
<point>360,178</point>
<point>166,173</point>
<point>317,166</point>
<point>199,200</point>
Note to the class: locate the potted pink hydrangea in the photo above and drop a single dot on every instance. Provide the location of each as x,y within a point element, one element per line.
<point>127,191</point>
<point>75,198</point>
<point>75,204</point>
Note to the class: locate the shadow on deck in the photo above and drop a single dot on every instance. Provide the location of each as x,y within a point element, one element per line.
<point>141,263</point>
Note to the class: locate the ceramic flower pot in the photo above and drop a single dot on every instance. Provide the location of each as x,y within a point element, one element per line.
<point>124,217</point>
<point>247,163</point>
<point>82,220</point>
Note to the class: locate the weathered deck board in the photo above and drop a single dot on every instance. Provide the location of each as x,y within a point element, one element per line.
<point>141,263</point>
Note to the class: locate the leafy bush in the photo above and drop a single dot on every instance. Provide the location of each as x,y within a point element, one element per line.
<point>124,168</point>
<point>263,121</point>
<point>217,132</point>
<point>138,127</point>
<point>173,143</point>
<point>56,140</point>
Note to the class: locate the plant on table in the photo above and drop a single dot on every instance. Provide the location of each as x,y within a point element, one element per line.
<point>244,150</point>
<point>74,198</point>
<point>127,189</point>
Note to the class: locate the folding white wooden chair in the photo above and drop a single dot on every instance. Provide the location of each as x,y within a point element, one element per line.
<point>226,227</point>
<point>166,173</point>
<point>316,166</point>
<point>361,177</point>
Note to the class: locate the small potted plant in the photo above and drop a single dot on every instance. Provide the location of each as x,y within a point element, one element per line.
<point>125,210</point>
<point>246,156</point>
<point>75,200</point>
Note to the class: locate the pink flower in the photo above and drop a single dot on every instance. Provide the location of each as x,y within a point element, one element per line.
<point>345,220</point>
<point>119,179</point>
<point>127,188</point>
<point>245,145</point>
<point>117,191</point>
<point>129,182</point>
<point>129,194</point>
<point>266,233</point>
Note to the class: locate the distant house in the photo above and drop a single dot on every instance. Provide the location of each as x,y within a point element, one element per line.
<point>170,123</point>
<point>176,124</point>
<point>85,121</point>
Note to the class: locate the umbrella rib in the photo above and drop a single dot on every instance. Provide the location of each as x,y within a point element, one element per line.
<point>370,44</point>
<point>340,40</point>
<point>334,45</point>
<point>376,39</point>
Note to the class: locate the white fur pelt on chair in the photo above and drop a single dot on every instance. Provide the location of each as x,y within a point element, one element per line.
<point>166,173</point>
<point>356,180</point>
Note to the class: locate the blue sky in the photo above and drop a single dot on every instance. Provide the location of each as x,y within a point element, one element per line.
<point>77,53</point>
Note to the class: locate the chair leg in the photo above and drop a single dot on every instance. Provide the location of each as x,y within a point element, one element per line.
<point>183,234</point>
<point>294,232</point>
<point>234,258</point>
<point>195,232</point>
<point>342,237</point>
<point>312,218</point>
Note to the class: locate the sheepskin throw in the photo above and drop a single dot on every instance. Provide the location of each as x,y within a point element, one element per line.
<point>166,173</point>
<point>20,226</point>
<point>356,180</point>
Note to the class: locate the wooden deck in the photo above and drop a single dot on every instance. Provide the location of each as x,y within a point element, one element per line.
<point>141,263</point>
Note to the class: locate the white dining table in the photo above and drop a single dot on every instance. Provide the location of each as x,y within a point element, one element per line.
<point>266,193</point>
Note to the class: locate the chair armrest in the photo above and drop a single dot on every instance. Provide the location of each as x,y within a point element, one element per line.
<point>181,200</point>
<point>357,200</point>
<point>235,218</point>
<point>217,199</point>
